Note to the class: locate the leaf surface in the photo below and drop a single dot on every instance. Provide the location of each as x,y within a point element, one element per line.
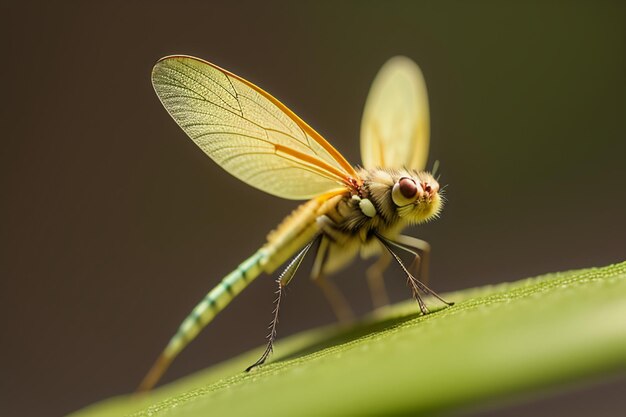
<point>497,342</point>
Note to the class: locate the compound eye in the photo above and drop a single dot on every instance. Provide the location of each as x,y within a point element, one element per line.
<point>408,187</point>
<point>405,191</point>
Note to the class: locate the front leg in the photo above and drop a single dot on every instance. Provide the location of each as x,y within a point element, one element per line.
<point>419,266</point>
<point>421,263</point>
<point>416,285</point>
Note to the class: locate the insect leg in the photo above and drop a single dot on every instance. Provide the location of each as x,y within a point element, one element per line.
<point>415,263</point>
<point>335,298</point>
<point>415,284</point>
<point>376,280</point>
<point>272,335</point>
<point>421,263</point>
<point>282,281</point>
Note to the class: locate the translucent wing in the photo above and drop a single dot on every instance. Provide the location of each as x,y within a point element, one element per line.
<point>247,131</point>
<point>395,126</point>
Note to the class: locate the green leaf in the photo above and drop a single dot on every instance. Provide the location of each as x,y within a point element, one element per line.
<point>495,343</point>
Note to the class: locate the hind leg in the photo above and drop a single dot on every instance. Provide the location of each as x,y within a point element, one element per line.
<point>282,281</point>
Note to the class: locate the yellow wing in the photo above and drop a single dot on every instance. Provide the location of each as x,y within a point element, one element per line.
<point>248,132</point>
<point>395,126</point>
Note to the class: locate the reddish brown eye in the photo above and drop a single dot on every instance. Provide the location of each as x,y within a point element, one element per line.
<point>408,188</point>
<point>405,191</point>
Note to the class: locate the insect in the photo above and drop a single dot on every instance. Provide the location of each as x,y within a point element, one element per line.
<point>350,210</point>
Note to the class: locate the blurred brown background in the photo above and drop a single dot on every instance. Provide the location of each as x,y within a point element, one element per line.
<point>113,224</point>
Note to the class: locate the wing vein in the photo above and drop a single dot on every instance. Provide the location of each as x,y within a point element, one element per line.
<point>206,75</point>
<point>273,116</point>
<point>206,99</point>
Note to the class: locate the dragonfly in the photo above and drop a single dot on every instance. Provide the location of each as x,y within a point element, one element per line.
<point>350,210</point>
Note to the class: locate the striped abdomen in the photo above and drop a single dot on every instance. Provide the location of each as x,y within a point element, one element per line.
<point>295,232</point>
<point>212,303</point>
